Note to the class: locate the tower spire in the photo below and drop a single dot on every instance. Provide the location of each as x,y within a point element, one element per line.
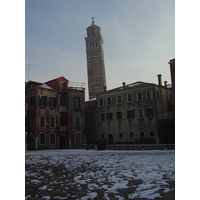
<point>95,60</point>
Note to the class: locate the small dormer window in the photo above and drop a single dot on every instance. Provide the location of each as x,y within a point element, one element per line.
<point>62,86</point>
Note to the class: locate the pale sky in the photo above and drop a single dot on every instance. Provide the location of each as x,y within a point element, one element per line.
<point>139,39</point>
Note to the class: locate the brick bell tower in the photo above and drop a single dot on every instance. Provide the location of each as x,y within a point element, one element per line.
<point>95,60</point>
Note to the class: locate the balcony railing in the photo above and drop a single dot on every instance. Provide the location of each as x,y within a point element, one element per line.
<point>166,115</point>
<point>63,109</point>
<point>63,129</point>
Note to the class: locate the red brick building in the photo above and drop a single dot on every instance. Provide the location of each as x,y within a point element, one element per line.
<point>49,109</point>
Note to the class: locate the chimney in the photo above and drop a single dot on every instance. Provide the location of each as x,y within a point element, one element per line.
<point>165,83</point>
<point>123,84</point>
<point>104,88</point>
<point>159,79</point>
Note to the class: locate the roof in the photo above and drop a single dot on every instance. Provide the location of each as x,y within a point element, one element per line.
<point>58,79</point>
<point>169,86</point>
<point>138,84</point>
<point>172,61</point>
<point>45,86</point>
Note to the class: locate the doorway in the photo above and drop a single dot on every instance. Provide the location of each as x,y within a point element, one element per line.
<point>110,138</point>
<point>62,142</point>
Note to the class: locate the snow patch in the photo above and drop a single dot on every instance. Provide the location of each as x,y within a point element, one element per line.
<point>46,197</point>
<point>89,196</point>
<point>35,181</point>
<point>45,86</point>
<point>44,187</point>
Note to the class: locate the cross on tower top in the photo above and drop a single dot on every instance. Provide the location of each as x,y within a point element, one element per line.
<point>92,20</point>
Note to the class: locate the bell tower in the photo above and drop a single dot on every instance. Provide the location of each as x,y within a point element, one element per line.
<point>95,60</point>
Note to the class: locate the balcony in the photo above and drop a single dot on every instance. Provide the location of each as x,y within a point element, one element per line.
<point>166,115</point>
<point>63,109</point>
<point>63,129</point>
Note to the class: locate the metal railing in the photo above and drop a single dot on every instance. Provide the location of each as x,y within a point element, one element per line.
<point>166,115</point>
<point>63,109</point>
<point>63,129</point>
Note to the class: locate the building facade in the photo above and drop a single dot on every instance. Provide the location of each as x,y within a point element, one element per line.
<point>91,121</point>
<point>132,114</point>
<point>49,114</point>
<point>95,60</point>
<point>26,124</point>
<point>172,71</point>
<point>76,105</point>
<point>43,116</point>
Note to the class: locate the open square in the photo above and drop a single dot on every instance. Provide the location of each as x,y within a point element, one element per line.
<point>90,174</point>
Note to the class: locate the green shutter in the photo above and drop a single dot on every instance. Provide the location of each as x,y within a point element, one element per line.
<point>55,101</point>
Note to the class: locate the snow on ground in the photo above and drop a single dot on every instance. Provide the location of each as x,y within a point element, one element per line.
<point>82,174</point>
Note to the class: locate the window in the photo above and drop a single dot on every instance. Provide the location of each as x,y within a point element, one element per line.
<point>130,114</point>
<point>119,115</point>
<point>62,101</point>
<point>139,96</point>
<point>42,138</point>
<point>62,86</point>
<point>150,112</point>
<point>96,43</point>
<point>120,135</point>
<point>102,117</point>
<point>33,101</point>
<point>42,122</point>
<point>142,134</point>
<point>52,122</point>
<point>119,99</point>
<point>140,113</point>
<point>129,98</point>
<point>52,101</point>
<point>43,101</point>
<point>109,101</point>
<point>77,102</point>
<point>102,136</point>
<point>151,133</point>
<point>100,102</point>
<point>77,122</point>
<point>148,94</point>
<point>52,138</point>
<point>63,122</point>
<point>131,134</point>
<point>109,116</point>
<point>158,94</point>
